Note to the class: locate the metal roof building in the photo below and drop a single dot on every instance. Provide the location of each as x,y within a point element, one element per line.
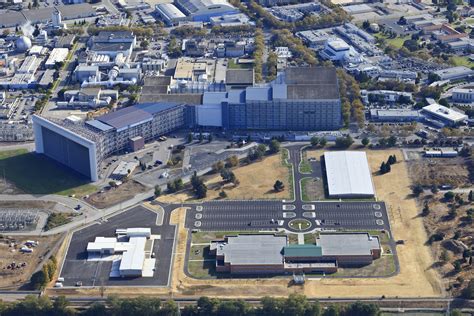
<point>348,174</point>
<point>203,10</point>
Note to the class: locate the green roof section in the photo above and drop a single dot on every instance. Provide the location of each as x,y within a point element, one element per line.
<point>302,251</point>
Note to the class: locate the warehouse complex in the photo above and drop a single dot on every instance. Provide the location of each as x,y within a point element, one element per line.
<point>130,251</point>
<point>271,254</point>
<point>348,175</point>
<point>299,99</point>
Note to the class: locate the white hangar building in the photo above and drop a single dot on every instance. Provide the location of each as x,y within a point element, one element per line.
<point>348,175</point>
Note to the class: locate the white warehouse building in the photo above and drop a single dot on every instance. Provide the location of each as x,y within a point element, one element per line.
<point>132,248</point>
<point>348,175</point>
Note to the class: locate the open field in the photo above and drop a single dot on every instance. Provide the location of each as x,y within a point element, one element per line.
<point>458,232</point>
<point>116,195</point>
<point>439,171</point>
<point>15,278</point>
<point>256,182</point>
<point>26,171</point>
<point>396,42</point>
<point>462,61</point>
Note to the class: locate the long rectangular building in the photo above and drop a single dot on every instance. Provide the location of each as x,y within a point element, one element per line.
<point>271,254</point>
<point>348,175</point>
<point>82,145</point>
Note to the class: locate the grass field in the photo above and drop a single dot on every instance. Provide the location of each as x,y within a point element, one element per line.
<point>396,42</point>
<point>37,174</point>
<point>462,61</point>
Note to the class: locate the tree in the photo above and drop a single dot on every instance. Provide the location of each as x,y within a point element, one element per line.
<point>38,280</point>
<point>449,196</point>
<point>383,168</point>
<point>144,44</point>
<point>323,141</point>
<point>392,159</point>
<point>365,141</point>
<point>366,25</point>
<point>278,186</point>
<point>457,266</point>
<point>471,196</point>
<point>210,138</point>
<point>274,146</point>
<point>361,309</point>
<point>190,138</point>
<point>402,20</point>
<point>392,141</point>
<point>218,166</point>
<point>417,190</point>
<point>426,210</point>
<point>444,257</point>
<point>434,189</point>
<point>222,194</point>
<point>232,161</point>
<point>228,176</point>
<point>314,141</point>
<point>171,187</point>
<point>344,142</point>
<point>178,184</point>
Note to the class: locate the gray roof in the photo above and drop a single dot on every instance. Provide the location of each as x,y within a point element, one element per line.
<point>111,46</point>
<point>125,118</point>
<point>310,75</point>
<point>356,244</point>
<point>239,76</point>
<point>106,36</point>
<point>187,98</point>
<point>99,125</point>
<point>305,83</point>
<point>252,249</point>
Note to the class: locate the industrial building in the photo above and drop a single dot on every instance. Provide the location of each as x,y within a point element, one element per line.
<point>271,254</point>
<point>446,115</point>
<point>82,145</point>
<point>57,55</point>
<point>455,73</point>
<point>88,98</point>
<point>463,95</point>
<point>348,175</point>
<point>396,115</point>
<point>194,10</point>
<point>298,99</point>
<point>130,252</point>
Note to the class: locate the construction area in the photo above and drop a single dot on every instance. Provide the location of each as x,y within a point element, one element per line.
<point>439,171</point>
<point>21,256</point>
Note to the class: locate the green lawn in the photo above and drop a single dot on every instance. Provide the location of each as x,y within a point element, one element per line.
<point>233,65</point>
<point>37,174</point>
<point>305,166</point>
<point>462,61</point>
<point>396,42</point>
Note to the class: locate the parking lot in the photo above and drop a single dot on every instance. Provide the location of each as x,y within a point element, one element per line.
<point>261,215</point>
<point>76,268</point>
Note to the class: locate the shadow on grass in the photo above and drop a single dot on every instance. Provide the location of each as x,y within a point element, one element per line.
<point>38,174</point>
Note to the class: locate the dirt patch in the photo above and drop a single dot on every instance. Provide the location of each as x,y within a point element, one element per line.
<point>42,205</point>
<point>10,252</point>
<point>256,182</point>
<point>113,196</point>
<point>439,171</point>
<point>458,232</point>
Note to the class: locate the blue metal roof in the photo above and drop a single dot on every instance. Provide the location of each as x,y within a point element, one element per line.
<point>153,108</point>
<point>125,118</point>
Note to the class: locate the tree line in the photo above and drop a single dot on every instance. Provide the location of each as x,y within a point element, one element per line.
<point>294,305</point>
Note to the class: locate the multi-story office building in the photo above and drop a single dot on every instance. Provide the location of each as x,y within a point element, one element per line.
<point>83,145</point>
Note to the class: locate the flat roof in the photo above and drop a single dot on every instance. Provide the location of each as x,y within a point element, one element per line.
<point>252,249</point>
<point>125,118</point>
<point>348,174</point>
<point>308,83</point>
<point>348,244</point>
<point>302,251</point>
<point>443,112</point>
<point>239,76</point>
